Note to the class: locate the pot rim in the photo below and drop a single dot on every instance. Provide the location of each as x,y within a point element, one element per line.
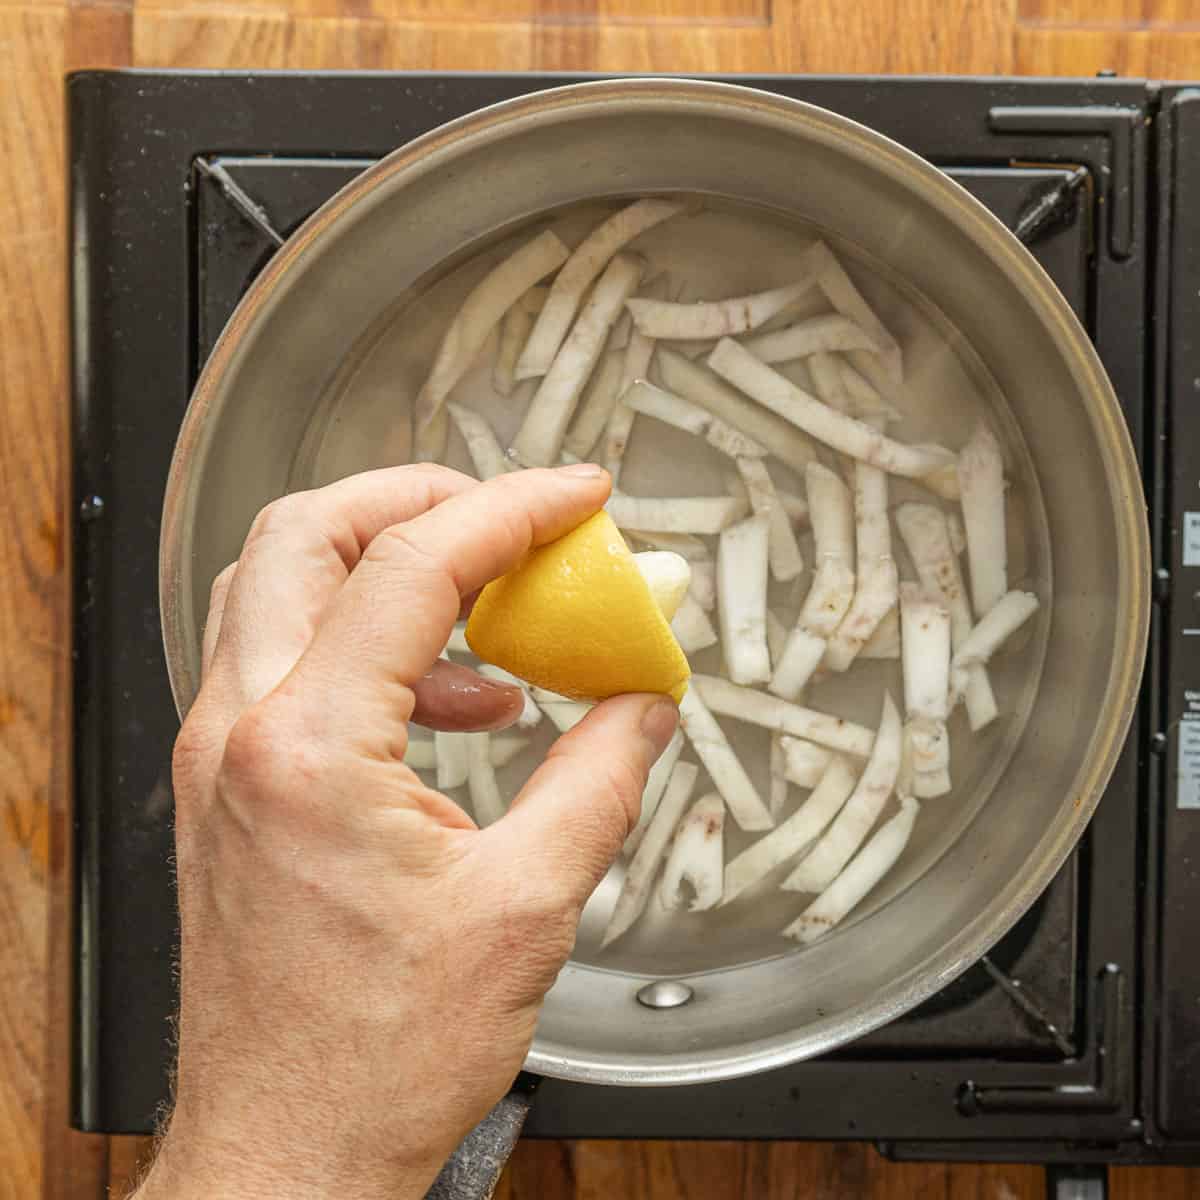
<point>1008,256</point>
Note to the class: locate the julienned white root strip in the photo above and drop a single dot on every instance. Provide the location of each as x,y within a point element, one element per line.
<point>668,577</point>
<point>928,785</point>
<point>992,632</point>
<point>588,260</point>
<point>758,708</point>
<point>777,635</point>
<point>453,765</point>
<point>482,446</point>
<point>723,437</point>
<point>782,548</point>
<point>885,641</point>
<point>778,790</point>
<point>723,766</point>
<point>713,318</point>
<point>564,714</point>
<point>958,535</point>
<point>684,544</point>
<point>665,406</point>
<point>876,575</point>
<point>981,480</point>
<point>832,515</point>
<point>841,432</point>
<point>652,794</point>
<point>703,587</point>
<point>742,556</point>
<point>621,330</point>
<point>689,514</point>
<point>805,762</point>
<point>820,866</point>
<point>541,434</point>
<point>503,747</point>
<point>865,400</point>
<point>692,628</point>
<point>596,406</point>
<point>840,291</point>
<point>834,785</point>
<point>860,876</point>
<point>697,857</point>
<point>458,641</point>
<point>801,656</point>
<point>794,505</point>
<point>514,332</point>
<point>487,804</point>
<point>830,331</point>
<point>531,715</point>
<point>925,652</point>
<point>926,532</point>
<point>828,383</point>
<point>489,300</point>
<point>695,382</point>
<point>639,878</point>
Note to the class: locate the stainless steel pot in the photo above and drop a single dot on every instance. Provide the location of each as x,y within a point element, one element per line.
<point>458,186</point>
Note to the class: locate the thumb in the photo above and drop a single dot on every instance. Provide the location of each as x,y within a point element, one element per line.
<point>569,821</point>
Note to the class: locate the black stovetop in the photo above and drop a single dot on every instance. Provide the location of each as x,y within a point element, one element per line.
<point>1074,1040</point>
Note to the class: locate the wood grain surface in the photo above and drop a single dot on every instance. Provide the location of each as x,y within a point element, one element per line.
<point>39,40</point>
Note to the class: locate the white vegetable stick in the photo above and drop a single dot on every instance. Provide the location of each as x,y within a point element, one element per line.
<point>829,331</point>
<point>778,790</point>
<point>652,793</point>
<point>928,745</point>
<point>713,318</point>
<point>487,804</point>
<point>742,599</point>
<point>635,365</point>
<point>564,714</point>
<point>777,634</point>
<point>801,656</point>
<point>928,785</point>
<point>832,515</point>
<point>621,330</point>
<point>656,402</point>
<point>834,785</point>
<point>458,641</point>
<point>884,643</point>
<point>865,400</point>
<point>481,442</point>
<point>758,708</point>
<point>981,479</point>
<point>926,533</point>
<point>821,865</point>
<point>958,535</point>
<point>827,381</point>
<point>635,890</point>
<point>837,430</point>
<point>514,333</point>
<point>692,628</point>
<point>868,867</point>
<point>840,291</point>
<point>794,505</point>
<point>489,300</point>
<point>723,766</point>
<point>668,576</point>
<point>683,544</point>
<point>589,259</point>
<point>723,437</point>
<point>703,586</point>
<point>504,747</point>
<point>452,762</point>
<point>805,762</point>
<point>876,575</point>
<point>541,434</point>
<point>695,382</point>
<point>596,406</point>
<point>697,857</point>
<point>690,514</point>
<point>783,551</point>
<point>531,715</point>
<point>990,634</point>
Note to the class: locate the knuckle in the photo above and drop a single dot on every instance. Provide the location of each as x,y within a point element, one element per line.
<point>265,750</point>
<point>281,514</point>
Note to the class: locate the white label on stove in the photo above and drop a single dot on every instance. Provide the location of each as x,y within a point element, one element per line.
<point>1187,791</point>
<point>1191,539</point>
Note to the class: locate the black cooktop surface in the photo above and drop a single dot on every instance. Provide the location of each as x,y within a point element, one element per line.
<point>1072,1039</point>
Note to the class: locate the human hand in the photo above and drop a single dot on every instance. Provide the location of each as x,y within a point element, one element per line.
<point>362,968</point>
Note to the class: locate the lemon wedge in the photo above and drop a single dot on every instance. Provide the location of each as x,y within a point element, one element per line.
<point>585,617</point>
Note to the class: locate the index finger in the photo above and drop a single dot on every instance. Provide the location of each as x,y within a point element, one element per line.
<point>394,614</point>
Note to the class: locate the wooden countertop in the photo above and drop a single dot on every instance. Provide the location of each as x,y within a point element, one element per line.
<point>39,40</point>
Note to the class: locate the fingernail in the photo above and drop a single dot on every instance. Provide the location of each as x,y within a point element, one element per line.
<point>583,471</point>
<point>659,723</point>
